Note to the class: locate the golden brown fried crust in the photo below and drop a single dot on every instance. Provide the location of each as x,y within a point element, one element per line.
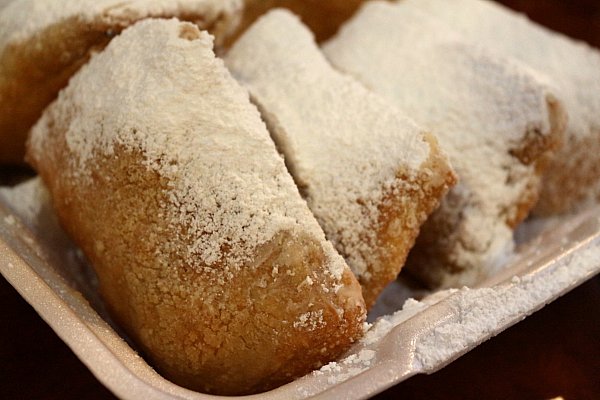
<point>401,214</point>
<point>32,73</point>
<point>566,189</point>
<point>538,150</point>
<point>235,337</point>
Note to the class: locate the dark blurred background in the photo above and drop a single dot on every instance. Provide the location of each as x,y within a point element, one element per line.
<point>555,352</point>
<point>576,18</point>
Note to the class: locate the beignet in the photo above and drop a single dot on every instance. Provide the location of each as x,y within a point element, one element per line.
<point>369,175</point>
<point>572,181</point>
<point>496,119</point>
<point>162,171</point>
<point>44,42</point>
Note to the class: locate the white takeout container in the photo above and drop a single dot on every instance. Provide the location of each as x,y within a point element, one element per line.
<point>44,267</point>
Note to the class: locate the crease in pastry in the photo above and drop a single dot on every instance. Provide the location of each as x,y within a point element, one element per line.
<point>498,120</point>
<point>572,180</point>
<point>161,170</point>
<point>370,175</point>
<point>44,42</point>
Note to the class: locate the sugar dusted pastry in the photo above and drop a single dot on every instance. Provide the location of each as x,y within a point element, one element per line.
<point>572,182</point>
<point>495,119</point>
<point>370,175</point>
<point>163,172</point>
<point>43,42</point>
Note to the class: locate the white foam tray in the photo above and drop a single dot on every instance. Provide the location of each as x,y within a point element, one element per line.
<point>43,266</point>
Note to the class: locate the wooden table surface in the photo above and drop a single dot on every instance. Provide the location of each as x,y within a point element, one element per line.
<point>555,352</point>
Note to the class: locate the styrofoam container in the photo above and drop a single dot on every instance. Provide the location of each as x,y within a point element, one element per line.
<point>49,272</point>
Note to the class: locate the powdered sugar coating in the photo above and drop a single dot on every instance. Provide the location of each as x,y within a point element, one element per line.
<point>27,198</point>
<point>349,366</point>
<point>24,18</point>
<point>477,313</point>
<point>474,314</point>
<point>246,195</point>
<point>343,144</point>
<point>574,68</point>
<point>481,107</point>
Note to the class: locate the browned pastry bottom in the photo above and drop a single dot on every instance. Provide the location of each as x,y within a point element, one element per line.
<point>194,332</point>
<point>243,318</point>
<point>401,218</point>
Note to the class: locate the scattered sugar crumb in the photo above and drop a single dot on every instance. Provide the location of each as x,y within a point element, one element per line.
<point>348,367</point>
<point>474,314</point>
<point>477,313</point>
<point>385,324</point>
<point>310,321</point>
